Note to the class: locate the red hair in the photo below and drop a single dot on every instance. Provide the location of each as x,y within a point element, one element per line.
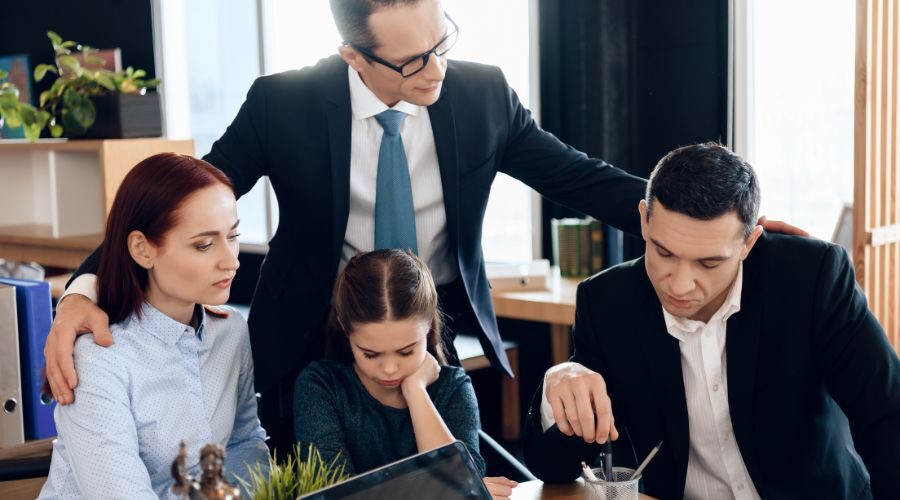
<point>147,201</point>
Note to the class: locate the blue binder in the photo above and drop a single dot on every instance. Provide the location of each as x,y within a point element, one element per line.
<point>34,318</point>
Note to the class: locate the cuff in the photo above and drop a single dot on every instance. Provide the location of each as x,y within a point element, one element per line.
<point>547,419</point>
<point>86,285</point>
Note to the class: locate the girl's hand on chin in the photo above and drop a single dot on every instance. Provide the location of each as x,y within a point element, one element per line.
<point>425,375</point>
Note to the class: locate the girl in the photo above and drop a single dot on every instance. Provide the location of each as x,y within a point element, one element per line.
<point>178,371</point>
<point>387,394</point>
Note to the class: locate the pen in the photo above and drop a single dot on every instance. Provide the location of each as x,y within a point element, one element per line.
<point>607,461</point>
<point>646,461</point>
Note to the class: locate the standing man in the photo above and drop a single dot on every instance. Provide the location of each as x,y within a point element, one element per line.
<point>386,144</point>
<point>746,354</point>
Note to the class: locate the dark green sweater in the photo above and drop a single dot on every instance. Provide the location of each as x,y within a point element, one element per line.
<point>335,412</point>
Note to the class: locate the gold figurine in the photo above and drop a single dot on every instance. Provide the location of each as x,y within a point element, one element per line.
<point>212,484</point>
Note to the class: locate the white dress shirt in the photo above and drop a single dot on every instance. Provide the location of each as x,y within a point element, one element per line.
<point>715,466</point>
<point>432,238</point>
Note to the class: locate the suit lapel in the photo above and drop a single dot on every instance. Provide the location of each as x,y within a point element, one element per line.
<point>443,126</point>
<point>339,118</point>
<point>663,357</point>
<point>742,352</point>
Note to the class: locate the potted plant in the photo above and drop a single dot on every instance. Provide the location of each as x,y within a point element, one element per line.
<point>83,101</point>
<point>293,477</point>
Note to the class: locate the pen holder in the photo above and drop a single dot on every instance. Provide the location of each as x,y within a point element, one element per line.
<point>620,488</point>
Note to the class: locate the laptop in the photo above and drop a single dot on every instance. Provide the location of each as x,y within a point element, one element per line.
<point>445,473</point>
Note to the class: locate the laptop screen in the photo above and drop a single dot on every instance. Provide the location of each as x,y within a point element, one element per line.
<point>445,473</point>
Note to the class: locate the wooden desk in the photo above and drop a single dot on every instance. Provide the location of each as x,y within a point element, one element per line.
<point>555,306</point>
<point>537,490</point>
<point>24,488</point>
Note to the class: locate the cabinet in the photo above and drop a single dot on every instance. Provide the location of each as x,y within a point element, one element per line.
<point>55,194</point>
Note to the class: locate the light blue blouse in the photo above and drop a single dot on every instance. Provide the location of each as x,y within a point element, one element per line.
<point>161,382</point>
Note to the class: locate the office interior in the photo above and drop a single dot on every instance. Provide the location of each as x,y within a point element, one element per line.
<point>811,105</point>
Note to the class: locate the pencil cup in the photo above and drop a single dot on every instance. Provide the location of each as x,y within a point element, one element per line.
<point>620,488</point>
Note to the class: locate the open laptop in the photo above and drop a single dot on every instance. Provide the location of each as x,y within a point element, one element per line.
<point>445,473</point>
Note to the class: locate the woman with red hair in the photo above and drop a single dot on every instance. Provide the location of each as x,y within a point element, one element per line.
<point>180,368</point>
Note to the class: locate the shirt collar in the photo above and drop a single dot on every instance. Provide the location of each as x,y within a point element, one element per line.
<point>166,329</point>
<point>365,104</point>
<point>680,328</point>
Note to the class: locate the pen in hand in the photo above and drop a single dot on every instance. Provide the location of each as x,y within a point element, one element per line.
<point>607,461</point>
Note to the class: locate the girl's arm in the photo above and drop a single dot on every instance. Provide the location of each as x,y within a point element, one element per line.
<point>317,418</point>
<point>430,430</point>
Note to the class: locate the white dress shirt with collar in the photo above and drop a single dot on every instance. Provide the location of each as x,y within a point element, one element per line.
<point>424,174</point>
<point>715,468</point>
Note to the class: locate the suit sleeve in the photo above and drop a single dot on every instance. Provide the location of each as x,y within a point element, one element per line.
<point>862,371</point>
<point>566,175</point>
<point>552,456</point>
<point>241,151</point>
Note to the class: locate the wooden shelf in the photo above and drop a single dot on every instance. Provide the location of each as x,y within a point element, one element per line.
<point>57,193</point>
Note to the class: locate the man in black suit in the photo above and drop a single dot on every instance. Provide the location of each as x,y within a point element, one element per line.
<point>746,354</point>
<point>316,133</point>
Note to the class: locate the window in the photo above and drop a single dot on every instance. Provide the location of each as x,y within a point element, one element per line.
<point>228,45</point>
<point>794,106</point>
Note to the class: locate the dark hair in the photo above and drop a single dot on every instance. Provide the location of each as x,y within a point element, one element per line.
<point>147,201</point>
<point>705,181</point>
<point>383,285</point>
<point>352,19</point>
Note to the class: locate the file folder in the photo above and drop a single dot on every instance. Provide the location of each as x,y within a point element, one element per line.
<point>12,426</point>
<point>34,313</point>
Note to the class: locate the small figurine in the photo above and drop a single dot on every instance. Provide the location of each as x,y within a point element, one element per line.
<point>212,484</point>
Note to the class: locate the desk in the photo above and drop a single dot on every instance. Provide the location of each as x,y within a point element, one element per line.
<point>25,488</point>
<point>555,306</point>
<point>537,490</point>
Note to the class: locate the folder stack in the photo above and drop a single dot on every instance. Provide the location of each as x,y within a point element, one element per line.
<point>29,316</point>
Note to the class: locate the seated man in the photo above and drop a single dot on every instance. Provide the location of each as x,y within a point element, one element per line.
<point>742,351</point>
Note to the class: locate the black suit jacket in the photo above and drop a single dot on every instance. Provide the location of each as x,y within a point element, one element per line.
<point>295,128</point>
<point>802,352</point>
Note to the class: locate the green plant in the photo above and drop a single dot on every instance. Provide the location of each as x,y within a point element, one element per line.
<point>68,101</point>
<point>67,106</point>
<point>20,114</point>
<point>294,477</point>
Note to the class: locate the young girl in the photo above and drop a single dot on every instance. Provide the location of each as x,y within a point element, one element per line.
<point>177,371</point>
<point>387,394</point>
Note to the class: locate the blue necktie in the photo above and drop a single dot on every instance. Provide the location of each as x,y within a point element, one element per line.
<point>395,218</point>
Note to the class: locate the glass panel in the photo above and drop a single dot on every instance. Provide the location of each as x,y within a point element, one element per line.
<point>803,72</point>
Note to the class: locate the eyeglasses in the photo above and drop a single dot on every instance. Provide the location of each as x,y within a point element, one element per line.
<point>417,63</point>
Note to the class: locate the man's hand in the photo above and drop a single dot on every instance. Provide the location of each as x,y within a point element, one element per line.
<point>580,404</point>
<point>75,315</point>
<point>777,226</point>
<point>500,487</point>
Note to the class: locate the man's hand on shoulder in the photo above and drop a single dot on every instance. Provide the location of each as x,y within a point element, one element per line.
<point>75,315</point>
<point>777,226</point>
<point>579,403</point>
